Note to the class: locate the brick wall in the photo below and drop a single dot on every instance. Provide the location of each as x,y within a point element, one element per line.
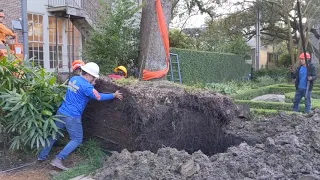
<point>12,11</point>
<point>91,6</point>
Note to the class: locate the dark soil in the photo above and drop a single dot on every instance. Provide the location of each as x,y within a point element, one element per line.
<point>160,114</point>
<point>283,147</point>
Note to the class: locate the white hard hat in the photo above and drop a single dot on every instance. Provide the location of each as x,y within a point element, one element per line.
<point>91,68</point>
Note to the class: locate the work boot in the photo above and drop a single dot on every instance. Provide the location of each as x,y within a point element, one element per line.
<point>58,164</point>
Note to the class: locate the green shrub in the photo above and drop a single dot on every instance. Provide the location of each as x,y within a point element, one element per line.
<point>252,93</point>
<point>28,104</point>
<point>278,74</point>
<point>285,60</point>
<point>265,81</point>
<point>229,88</point>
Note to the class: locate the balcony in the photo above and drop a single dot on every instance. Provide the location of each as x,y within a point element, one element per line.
<point>63,3</point>
<point>67,7</point>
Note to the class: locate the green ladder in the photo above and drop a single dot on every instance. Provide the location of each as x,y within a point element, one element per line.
<point>175,72</point>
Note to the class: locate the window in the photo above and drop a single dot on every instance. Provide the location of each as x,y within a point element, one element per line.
<point>74,44</point>
<point>55,42</point>
<point>35,37</point>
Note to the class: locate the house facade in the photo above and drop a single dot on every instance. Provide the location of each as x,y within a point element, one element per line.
<point>267,57</point>
<point>57,29</point>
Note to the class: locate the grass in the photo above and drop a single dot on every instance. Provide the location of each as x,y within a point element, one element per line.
<point>94,156</point>
<point>269,112</point>
<point>126,81</point>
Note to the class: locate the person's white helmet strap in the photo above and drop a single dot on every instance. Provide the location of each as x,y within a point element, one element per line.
<point>92,69</point>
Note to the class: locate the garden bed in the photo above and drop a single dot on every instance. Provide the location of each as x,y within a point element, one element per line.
<point>269,108</point>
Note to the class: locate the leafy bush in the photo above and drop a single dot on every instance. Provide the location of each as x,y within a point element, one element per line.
<point>179,39</point>
<point>277,74</point>
<point>285,60</point>
<point>115,40</point>
<point>265,81</point>
<point>229,88</point>
<point>29,97</point>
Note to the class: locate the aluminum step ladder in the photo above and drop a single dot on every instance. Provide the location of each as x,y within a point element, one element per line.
<point>175,72</point>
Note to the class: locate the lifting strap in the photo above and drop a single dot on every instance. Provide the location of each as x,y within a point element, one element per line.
<point>148,75</point>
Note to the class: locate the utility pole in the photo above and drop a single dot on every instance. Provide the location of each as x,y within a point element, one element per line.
<point>257,52</point>
<point>24,28</point>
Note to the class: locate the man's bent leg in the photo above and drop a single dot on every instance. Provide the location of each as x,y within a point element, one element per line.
<point>74,128</point>
<point>308,102</point>
<point>297,98</point>
<point>43,154</point>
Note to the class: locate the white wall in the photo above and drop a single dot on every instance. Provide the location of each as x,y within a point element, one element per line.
<point>37,6</point>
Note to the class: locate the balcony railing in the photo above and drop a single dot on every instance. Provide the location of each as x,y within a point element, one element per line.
<point>87,6</point>
<point>69,3</point>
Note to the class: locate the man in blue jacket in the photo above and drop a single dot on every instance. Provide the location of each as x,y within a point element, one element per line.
<point>302,75</point>
<point>80,91</point>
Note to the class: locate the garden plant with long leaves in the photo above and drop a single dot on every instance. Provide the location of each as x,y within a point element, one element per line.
<point>29,98</point>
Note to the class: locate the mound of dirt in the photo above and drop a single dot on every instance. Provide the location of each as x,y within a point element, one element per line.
<point>159,114</point>
<point>289,149</point>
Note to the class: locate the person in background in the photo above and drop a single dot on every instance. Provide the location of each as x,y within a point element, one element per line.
<point>302,75</point>
<point>76,66</point>
<point>119,73</point>
<point>4,31</point>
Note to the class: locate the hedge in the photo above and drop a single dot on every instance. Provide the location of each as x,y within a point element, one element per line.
<point>269,105</point>
<point>267,108</point>
<point>208,67</point>
<point>285,89</point>
<point>276,105</point>
<point>267,112</point>
<point>316,87</point>
<point>315,96</point>
<point>272,89</point>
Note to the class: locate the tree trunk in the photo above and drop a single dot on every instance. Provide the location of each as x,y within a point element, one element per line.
<point>152,55</point>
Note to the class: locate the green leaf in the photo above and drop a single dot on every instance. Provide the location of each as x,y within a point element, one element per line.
<point>24,109</point>
<point>1,70</point>
<point>33,130</point>
<point>46,112</point>
<point>53,125</point>
<point>52,81</point>
<point>42,141</point>
<point>45,126</point>
<point>33,140</point>
<point>38,142</point>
